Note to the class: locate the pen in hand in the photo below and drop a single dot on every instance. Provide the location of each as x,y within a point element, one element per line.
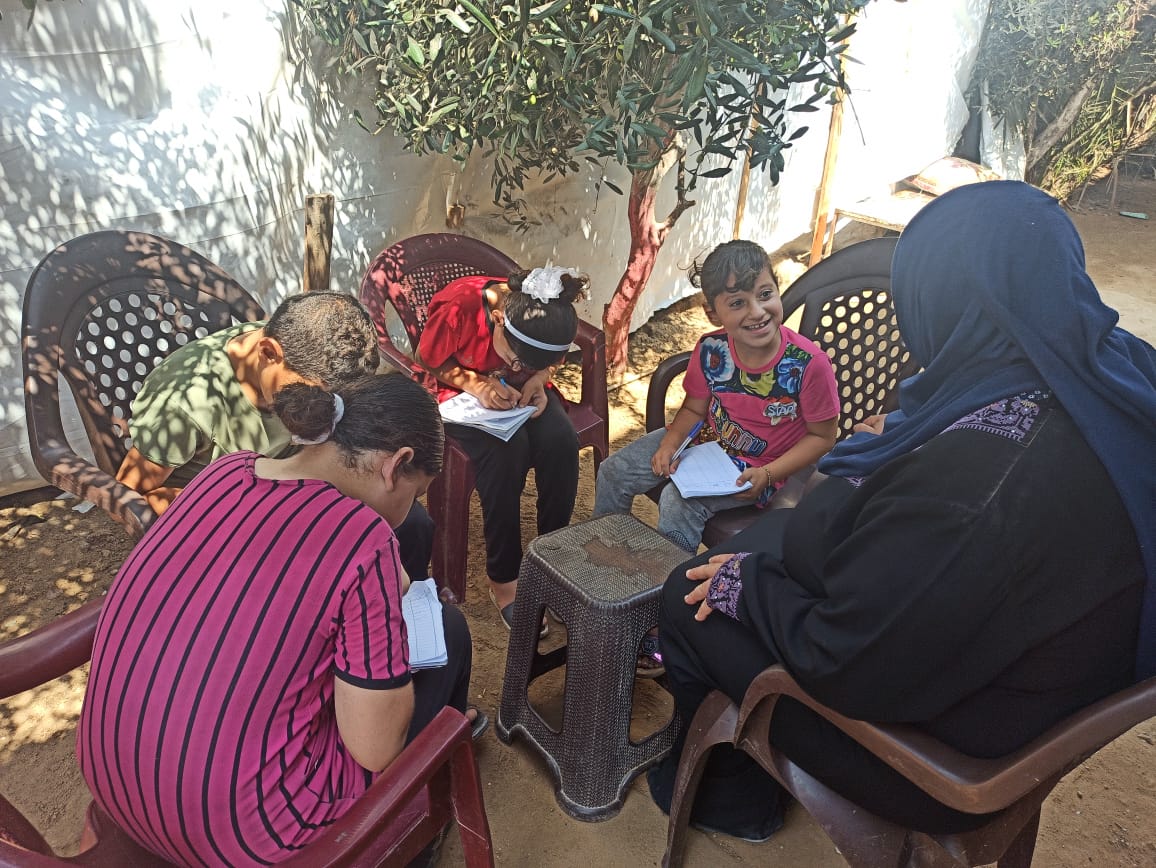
<point>682,448</point>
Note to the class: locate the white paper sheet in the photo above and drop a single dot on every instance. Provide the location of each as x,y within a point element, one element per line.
<point>422,611</point>
<point>465,409</point>
<point>705,471</point>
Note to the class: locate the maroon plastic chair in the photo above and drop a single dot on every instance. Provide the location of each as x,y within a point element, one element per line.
<point>846,303</point>
<point>434,781</point>
<point>1012,788</point>
<point>102,311</point>
<point>397,290</point>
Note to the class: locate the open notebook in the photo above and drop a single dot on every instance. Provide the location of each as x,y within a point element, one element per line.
<point>706,470</point>
<point>422,611</point>
<point>465,409</point>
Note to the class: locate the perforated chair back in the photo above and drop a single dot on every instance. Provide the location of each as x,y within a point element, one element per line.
<point>403,278</point>
<point>102,311</point>
<point>845,304</point>
<point>847,310</point>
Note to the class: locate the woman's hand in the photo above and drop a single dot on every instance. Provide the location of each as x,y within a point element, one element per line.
<point>871,425</point>
<point>534,393</point>
<point>493,394</point>
<point>703,575</point>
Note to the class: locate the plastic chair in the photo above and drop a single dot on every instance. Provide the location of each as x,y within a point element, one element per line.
<point>102,311</point>
<point>1013,788</point>
<point>846,309</point>
<point>433,781</point>
<point>396,290</point>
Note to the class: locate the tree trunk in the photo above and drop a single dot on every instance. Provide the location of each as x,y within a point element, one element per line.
<point>1055,131</point>
<point>646,238</point>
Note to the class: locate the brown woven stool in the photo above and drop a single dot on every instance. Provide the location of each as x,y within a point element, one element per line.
<point>601,578</point>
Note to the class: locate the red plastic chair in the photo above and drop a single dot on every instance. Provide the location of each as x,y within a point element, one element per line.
<point>100,312</point>
<point>433,781</point>
<point>397,289</point>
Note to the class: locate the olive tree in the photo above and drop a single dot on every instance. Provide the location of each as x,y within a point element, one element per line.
<point>657,86</point>
<point>1076,77</point>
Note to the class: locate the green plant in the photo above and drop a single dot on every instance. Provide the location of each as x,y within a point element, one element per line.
<point>1076,77</point>
<point>653,85</point>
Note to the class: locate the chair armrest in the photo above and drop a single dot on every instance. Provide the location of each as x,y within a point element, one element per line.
<point>371,815</point>
<point>971,784</point>
<point>70,472</point>
<point>660,382</point>
<point>49,651</point>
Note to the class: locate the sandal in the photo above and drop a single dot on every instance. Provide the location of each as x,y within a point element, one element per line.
<point>507,614</point>
<point>649,663</point>
<point>479,724</point>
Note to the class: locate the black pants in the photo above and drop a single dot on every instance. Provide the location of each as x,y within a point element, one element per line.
<point>549,445</point>
<point>434,689</point>
<point>415,538</point>
<point>723,654</point>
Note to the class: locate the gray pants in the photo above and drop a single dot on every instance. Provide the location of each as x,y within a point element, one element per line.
<point>627,473</point>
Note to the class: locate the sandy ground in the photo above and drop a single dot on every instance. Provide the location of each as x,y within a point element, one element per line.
<point>53,558</point>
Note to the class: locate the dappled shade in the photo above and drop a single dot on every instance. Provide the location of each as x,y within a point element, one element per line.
<point>102,311</point>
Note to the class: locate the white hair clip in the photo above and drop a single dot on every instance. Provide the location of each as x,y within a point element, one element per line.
<point>545,283</point>
<point>338,412</point>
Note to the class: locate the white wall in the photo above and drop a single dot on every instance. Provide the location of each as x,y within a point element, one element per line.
<point>190,120</point>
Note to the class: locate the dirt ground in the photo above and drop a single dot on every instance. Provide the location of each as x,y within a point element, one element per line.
<point>52,558</point>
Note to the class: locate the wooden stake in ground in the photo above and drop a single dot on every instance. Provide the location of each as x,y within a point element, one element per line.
<point>318,241</point>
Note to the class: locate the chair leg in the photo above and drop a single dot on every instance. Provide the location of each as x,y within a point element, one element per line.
<point>469,808</point>
<point>1019,853</point>
<point>451,515</point>
<point>713,724</point>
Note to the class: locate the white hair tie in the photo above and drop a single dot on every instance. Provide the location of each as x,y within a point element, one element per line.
<point>545,283</point>
<point>338,412</point>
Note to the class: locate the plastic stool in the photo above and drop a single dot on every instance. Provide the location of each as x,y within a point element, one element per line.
<point>601,578</point>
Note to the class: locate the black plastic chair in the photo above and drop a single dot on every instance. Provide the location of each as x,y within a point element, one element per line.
<point>846,308</point>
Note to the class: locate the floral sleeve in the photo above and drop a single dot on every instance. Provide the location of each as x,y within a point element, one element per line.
<point>726,586</point>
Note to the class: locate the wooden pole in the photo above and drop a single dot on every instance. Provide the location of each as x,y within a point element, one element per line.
<point>318,241</point>
<point>745,177</point>
<point>823,199</point>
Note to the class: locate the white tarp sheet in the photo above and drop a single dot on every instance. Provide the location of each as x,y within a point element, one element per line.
<point>189,119</point>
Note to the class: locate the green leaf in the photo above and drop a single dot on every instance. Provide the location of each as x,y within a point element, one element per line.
<point>696,87</point>
<point>413,51</point>
<point>485,19</point>
<point>456,20</point>
<point>715,173</point>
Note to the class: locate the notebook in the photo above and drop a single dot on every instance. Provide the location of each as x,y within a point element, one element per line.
<point>465,409</point>
<point>422,611</point>
<point>706,470</point>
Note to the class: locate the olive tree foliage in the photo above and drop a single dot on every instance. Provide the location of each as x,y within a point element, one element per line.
<point>1077,77</point>
<point>689,86</point>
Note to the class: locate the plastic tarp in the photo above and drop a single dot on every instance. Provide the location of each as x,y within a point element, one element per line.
<point>194,121</point>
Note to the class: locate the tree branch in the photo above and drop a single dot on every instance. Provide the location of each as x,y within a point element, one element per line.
<point>682,203</point>
<point>1055,131</point>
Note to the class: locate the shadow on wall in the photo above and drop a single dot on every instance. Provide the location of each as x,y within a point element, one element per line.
<point>183,119</point>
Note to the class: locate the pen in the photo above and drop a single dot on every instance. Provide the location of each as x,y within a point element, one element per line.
<point>693,431</point>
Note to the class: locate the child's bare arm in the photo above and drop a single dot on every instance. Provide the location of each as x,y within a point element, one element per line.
<point>816,443</point>
<point>491,392</point>
<point>692,411</point>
